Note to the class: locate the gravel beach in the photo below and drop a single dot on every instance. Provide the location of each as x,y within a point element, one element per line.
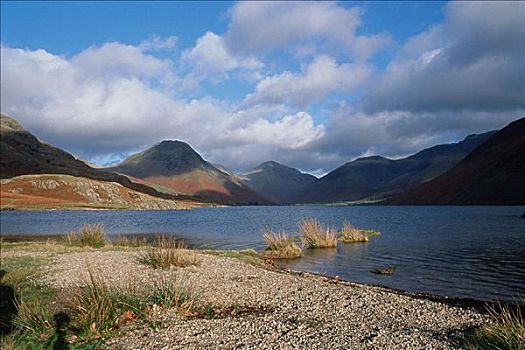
<point>275,309</point>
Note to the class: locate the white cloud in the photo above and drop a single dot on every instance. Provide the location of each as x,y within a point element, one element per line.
<point>261,26</point>
<point>312,84</point>
<point>105,102</point>
<point>157,43</point>
<point>209,58</point>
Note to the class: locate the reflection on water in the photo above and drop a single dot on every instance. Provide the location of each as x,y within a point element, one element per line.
<point>476,252</point>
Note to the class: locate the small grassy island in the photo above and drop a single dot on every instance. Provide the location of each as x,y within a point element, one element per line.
<point>85,292</point>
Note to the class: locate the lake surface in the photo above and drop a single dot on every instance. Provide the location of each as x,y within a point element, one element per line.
<point>475,252</point>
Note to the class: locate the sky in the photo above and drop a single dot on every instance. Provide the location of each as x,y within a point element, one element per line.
<point>309,84</point>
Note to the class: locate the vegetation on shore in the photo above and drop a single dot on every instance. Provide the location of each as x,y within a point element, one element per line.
<point>505,332</point>
<point>167,252</point>
<point>279,245</point>
<point>38,317</point>
<point>89,235</point>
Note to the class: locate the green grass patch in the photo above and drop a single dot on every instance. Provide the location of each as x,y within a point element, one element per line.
<point>506,330</point>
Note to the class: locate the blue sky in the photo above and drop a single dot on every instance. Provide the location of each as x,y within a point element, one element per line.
<point>309,84</point>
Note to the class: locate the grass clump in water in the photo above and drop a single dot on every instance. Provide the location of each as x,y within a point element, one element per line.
<point>280,245</point>
<point>167,252</point>
<point>351,234</point>
<point>505,332</point>
<point>315,235</point>
<point>89,235</point>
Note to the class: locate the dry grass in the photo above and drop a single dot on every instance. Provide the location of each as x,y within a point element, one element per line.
<point>316,235</point>
<point>351,234</point>
<point>133,241</point>
<point>280,245</point>
<point>505,332</point>
<point>167,252</point>
<point>99,308</point>
<point>89,235</point>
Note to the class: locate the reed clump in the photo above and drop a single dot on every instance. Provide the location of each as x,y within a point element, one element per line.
<point>351,234</point>
<point>315,235</point>
<point>167,252</point>
<point>506,331</point>
<point>89,235</point>
<point>280,246</point>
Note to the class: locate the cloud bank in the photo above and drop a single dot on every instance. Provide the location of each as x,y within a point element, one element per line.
<point>327,105</point>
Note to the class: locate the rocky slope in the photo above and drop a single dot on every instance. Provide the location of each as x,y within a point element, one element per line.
<point>281,184</point>
<point>173,166</point>
<point>378,177</point>
<point>70,192</point>
<point>494,173</point>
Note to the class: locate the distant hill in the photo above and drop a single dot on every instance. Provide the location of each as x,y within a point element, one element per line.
<point>377,177</point>
<point>23,154</point>
<point>494,173</point>
<point>71,192</point>
<point>281,184</point>
<point>173,166</point>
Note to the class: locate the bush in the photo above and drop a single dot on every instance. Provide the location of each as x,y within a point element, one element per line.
<point>280,245</point>
<point>166,252</point>
<point>315,235</point>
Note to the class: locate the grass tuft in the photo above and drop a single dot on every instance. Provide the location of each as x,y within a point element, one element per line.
<point>505,332</point>
<point>99,309</point>
<point>280,245</point>
<point>125,241</point>
<point>351,234</point>
<point>167,252</point>
<point>315,235</point>
<point>89,235</point>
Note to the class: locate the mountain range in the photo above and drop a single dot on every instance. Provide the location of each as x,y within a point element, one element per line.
<point>486,168</point>
<point>174,167</point>
<point>494,173</point>
<point>376,177</point>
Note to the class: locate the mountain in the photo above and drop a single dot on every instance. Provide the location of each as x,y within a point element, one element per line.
<point>71,192</point>
<point>278,182</point>
<point>23,154</point>
<point>377,177</point>
<point>494,173</point>
<point>174,167</point>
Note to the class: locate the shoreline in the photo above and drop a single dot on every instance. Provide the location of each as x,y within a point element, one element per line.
<point>464,302</point>
<point>261,306</point>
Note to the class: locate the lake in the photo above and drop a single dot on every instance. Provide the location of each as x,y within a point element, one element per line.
<point>459,251</point>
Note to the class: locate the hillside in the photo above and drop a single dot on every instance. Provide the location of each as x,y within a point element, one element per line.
<point>494,173</point>
<point>23,154</point>
<point>377,177</point>
<point>70,192</point>
<point>278,182</point>
<point>174,167</point>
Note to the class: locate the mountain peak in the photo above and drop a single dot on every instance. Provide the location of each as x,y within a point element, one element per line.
<point>372,158</point>
<point>271,164</point>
